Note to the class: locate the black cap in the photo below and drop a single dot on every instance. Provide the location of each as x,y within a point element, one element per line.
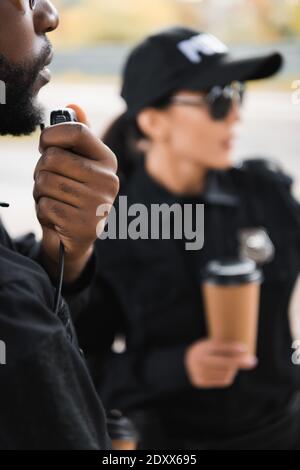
<point>181,58</point>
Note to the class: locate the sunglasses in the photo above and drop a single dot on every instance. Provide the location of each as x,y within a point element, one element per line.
<point>218,101</point>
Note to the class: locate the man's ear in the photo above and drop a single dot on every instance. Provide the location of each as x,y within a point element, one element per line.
<point>153,123</point>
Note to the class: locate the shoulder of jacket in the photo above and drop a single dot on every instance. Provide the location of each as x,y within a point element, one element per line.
<point>267,169</point>
<point>21,274</point>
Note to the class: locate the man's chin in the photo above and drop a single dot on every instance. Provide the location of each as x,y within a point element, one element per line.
<point>20,120</point>
<point>22,114</point>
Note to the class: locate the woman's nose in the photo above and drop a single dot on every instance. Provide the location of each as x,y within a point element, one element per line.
<point>235,114</point>
<point>46,17</point>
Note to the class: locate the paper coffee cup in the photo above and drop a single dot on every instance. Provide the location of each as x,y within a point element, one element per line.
<point>231,292</point>
<point>118,444</point>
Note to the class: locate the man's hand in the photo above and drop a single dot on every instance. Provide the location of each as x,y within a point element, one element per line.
<point>212,364</point>
<point>75,174</point>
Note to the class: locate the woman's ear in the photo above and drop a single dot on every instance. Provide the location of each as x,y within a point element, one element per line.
<point>153,124</point>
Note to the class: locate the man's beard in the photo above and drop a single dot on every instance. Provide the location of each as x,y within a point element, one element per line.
<point>21,114</point>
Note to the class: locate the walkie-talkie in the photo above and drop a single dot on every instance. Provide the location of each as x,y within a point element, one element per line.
<point>61,116</point>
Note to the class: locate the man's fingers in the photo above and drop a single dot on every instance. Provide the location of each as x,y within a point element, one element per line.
<point>80,113</point>
<point>53,213</point>
<point>58,187</point>
<point>73,193</point>
<point>72,166</point>
<point>77,138</point>
<point>65,163</point>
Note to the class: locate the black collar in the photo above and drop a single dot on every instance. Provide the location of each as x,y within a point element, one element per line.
<point>220,190</point>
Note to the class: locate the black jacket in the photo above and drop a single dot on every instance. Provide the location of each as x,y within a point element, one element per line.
<point>153,298</point>
<point>47,399</point>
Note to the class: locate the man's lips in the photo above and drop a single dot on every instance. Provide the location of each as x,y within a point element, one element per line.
<point>49,59</point>
<point>44,75</point>
<point>45,72</point>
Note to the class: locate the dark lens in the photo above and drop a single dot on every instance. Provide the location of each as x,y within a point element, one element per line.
<point>220,107</point>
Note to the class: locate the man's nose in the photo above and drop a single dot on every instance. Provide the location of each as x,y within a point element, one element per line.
<point>46,17</point>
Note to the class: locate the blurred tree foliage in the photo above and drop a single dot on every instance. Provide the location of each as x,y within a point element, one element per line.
<point>92,21</point>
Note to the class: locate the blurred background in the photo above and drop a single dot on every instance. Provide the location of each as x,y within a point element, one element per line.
<point>92,43</point>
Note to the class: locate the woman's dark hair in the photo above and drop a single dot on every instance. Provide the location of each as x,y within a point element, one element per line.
<point>123,137</point>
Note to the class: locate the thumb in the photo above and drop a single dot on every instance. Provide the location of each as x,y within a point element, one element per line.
<point>80,113</point>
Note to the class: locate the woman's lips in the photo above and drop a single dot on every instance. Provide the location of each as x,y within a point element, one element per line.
<point>227,143</point>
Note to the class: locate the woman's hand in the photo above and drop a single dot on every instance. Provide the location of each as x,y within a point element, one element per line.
<point>215,364</point>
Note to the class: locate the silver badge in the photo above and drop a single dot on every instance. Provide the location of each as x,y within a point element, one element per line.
<point>256,244</point>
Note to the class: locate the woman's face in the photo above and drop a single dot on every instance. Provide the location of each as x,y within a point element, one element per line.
<point>191,133</point>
